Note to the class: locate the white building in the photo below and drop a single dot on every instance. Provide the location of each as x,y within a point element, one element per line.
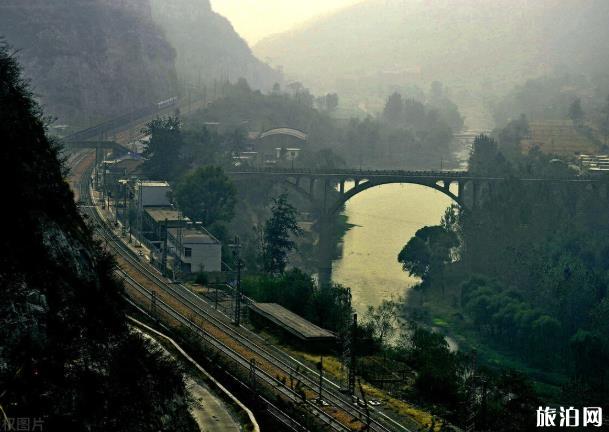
<point>201,251</point>
<point>152,193</point>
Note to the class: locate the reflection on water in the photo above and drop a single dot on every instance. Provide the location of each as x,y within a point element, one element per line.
<point>386,217</point>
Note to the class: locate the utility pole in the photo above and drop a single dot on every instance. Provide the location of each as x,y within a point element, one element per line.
<point>129,213</point>
<point>178,271</point>
<point>96,166</point>
<point>124,205</point>
<point>238,293</point>
<point>140,209</point>
<point>320,367</point>
<point>153,303</point>
<point>366,408</point>
<point>164,256</point>
<point>352,366</point>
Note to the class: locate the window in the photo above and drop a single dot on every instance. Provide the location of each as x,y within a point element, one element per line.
<point>187,252</point>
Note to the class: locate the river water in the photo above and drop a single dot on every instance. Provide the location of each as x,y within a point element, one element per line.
<point>385,218</point>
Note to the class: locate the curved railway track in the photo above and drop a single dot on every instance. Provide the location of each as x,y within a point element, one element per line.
<point>175,299</point>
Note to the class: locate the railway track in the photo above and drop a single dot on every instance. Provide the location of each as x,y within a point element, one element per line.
<point>176,299</point>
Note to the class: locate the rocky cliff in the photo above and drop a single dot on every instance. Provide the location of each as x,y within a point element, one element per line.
<point>67,359</point>
<point>90,59</point>
<point>208,47</point>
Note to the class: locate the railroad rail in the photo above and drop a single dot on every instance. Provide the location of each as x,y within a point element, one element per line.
<point>278,359</point>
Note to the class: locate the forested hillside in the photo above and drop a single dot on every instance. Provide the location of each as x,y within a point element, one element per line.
<point>67,358</point>
<point>90,59</point>
<point>524,274</point>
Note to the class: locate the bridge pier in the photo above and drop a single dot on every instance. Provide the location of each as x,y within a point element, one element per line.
<point>325,250</point>
<point>312,186</point>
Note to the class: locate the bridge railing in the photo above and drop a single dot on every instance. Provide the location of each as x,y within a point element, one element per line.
<point>354,172</point>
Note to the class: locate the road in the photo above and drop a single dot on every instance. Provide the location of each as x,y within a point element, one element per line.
<point>210,413</point>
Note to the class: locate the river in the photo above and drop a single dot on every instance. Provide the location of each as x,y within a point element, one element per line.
<point>385,218</point>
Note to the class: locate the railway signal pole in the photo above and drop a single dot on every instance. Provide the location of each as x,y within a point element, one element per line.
<point>164,256</point>
<point>238,294</point>
<point>352,360</point>
<point>320,367</point>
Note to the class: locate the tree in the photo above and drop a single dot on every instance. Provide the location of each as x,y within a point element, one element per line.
<point>236,140</point>
<point>486,159</point>
<point>331,101</point>
<point>277,233</point>
<point>414,113</point>
<point>429,250</point>
<point>438,376</point>
<point>67,354</point>
<point>512,135</point>
<point>206,195</point>
<point>322,159</point>
<point>162,152</point>
<point>576,113</point>
<point>382,320</point>
<point>394,109</point>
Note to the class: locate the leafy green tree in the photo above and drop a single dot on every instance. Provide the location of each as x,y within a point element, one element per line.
<point>237,139</point>
<point>394,109</point>
<point>331,101</point>
<point>590,353</point>
<point>484,153</point>
<point>382,320</point>
<point>163,150</point>
<point>414,113</point>
<point>511,136</point>
<point>428,251</point>
<point>438,369</point>
<point>206,195</point>
<point>277,235</point>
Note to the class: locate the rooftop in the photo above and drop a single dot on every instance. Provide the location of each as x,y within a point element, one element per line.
<point>289,321</point>
<point>194,236</point>
<point>160,214</point>
<point>154,184</point>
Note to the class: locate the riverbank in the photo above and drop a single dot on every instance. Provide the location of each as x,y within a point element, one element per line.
<point>432,310</point>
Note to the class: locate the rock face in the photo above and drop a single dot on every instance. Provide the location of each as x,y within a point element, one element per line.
<point>67,356</point>
<point>89,60</point>
<point>208,47</point>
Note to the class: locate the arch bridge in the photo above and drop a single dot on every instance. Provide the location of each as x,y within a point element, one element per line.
<point>327,190</point>
<point>316,185</point>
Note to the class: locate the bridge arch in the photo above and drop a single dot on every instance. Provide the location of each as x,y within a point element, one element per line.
<point>368,184</point>
<point>306,182</point>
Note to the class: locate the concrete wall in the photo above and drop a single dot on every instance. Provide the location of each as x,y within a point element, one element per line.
<point>154,196</point>
<point>207,255</point>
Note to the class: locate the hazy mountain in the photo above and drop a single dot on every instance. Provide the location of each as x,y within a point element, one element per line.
<point>208,47</point>
<point>470,45</point>
<point>90,59</point>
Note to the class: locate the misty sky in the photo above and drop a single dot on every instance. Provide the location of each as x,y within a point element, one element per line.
<point>255,19</point>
